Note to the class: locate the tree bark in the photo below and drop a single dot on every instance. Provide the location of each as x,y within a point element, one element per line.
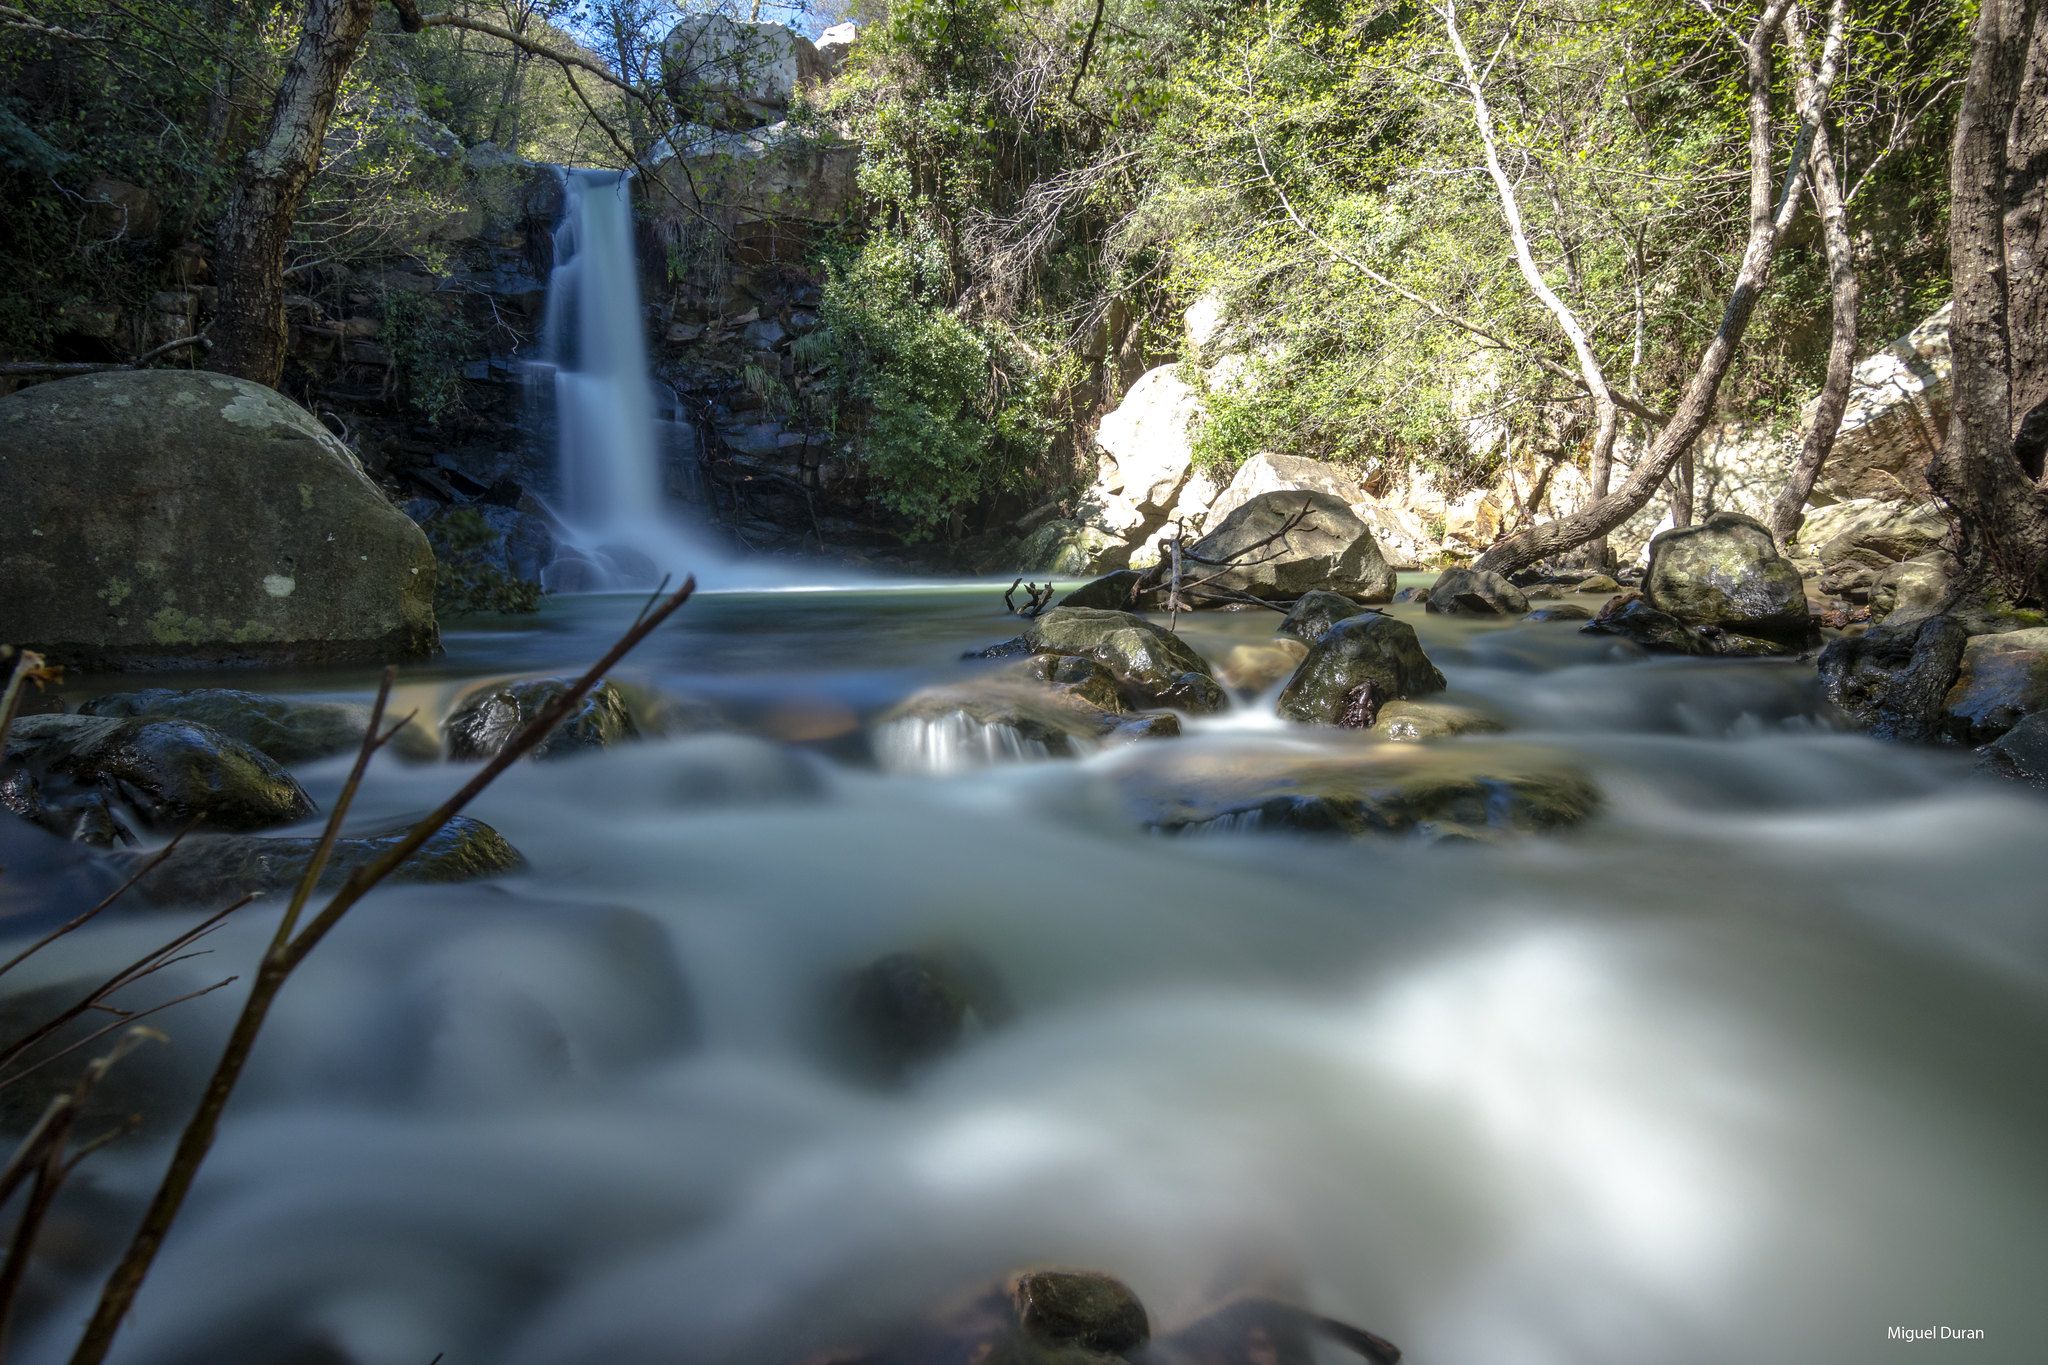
<point>1985,471</point>
<point>249,328</point>
<point>1845,295</point>
<point>1696,405</point>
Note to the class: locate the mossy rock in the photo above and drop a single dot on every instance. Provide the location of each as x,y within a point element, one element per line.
<point>1152,665</point>
<point>1726,572</point>
<point>288,730</point>
<point>1475,592</point>
<point>1373,650</point>
<point>215,869</point>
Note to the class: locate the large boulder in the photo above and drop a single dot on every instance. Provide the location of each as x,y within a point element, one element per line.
<point>1374,654</point>
<point>1282,545</point>
<point>1151,665</point>
<point>1147,442</point>
<point>2003,679</point>
<point>165,518</point>
<point>1475,592</point>
<point>1726,572</point>
<point>79,775</point>
<point>730,73</point>
<point>1070,550</point>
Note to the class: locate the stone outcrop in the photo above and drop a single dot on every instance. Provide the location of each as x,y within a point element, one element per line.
<point>165,518</point>
<point>1896,420</point>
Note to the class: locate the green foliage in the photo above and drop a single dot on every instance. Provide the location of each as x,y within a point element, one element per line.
<point>428,343</point>
<point>940,412</point>
<point>469,577</point>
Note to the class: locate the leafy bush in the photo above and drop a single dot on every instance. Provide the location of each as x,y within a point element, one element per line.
<point>428,344</point>
<point>940,412</point>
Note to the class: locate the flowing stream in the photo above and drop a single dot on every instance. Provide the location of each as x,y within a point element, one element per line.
<point>1747,1067</point>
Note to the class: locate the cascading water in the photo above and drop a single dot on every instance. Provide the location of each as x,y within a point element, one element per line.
<point>623,532</point>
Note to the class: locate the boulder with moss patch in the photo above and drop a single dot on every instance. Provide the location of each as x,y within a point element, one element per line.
<point>166,518</point>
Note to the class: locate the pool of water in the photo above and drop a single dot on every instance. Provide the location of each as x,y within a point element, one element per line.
<point>1748,1066</point>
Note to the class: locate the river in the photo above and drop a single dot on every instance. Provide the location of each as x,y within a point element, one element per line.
<point>1749,1066</point>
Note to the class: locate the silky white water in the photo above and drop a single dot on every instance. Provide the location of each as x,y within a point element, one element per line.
<point>1749,1067</point>
<point>621,522</point>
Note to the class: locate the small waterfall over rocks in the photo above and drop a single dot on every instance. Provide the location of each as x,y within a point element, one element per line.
<point>615,429</point>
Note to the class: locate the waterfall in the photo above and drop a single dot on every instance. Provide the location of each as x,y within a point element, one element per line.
<point>622,531</point>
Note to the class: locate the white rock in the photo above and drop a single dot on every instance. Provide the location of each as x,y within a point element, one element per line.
<point>1150,436</point>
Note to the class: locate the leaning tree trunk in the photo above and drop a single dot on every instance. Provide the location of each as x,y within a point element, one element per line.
<point>1988,470</point>
<point>249,329</point>
<point>1845,297</point>
<point>1696,405</point>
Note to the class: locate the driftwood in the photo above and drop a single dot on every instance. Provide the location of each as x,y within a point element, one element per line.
<point>1037,597</point>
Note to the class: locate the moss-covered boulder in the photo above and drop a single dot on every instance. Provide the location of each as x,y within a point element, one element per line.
<point>81,775</point>
<point>165,518</point>
<point>1475,592</point>
<point>1409,722</point>
<point>1279,546</point>
<point>1372,651</point>
<point>1152,665</point>
<point>1726,572</point>
<point>1080,1308</point>
<point>1069,549</point>
<point>286,729</point>
<point>206,869</point>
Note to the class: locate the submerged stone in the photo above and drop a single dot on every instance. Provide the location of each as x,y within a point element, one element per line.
<point>288,730</point>
<point>1475,592</point>
<point>219,868</point>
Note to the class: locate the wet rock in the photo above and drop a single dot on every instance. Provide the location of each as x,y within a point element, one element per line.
<point>169,518</point>
<point>1153,666</point>
<point>2003,679</point>
<point>1315,612</point>
<point>484,722</point>
<point>2021,754</point>
<point>1474,592</point>
<point>1046,706</point>
<point>1632,618</point>
<point>1415,595</point>
<point>1079,1308</point>
<point>1120,590</point>
<point>1372,651</point>
<point>1596,582</point>
<point>1455,791</point>
<point>1726,572</point>
<point>215,869</point>
<point>1562,611</point>
<point>907,1010</point>
<point>1412,721</point>
<point>75,775</point>
<point>286,729</point>
<point>1893,680</point>
<point>1330,549</point>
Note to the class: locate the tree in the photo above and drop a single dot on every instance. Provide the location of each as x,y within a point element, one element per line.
<point>1769,216</point>
<point>1991,468</point>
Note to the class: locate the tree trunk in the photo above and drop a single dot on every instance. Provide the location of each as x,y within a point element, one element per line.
<point>1845,299</point>
<point>249,328</point>
<point>1696,406</point>
<point>1985,471</point>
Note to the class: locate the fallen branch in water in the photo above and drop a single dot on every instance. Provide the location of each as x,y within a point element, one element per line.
<point>290,945</point>
<point>1038,596</point>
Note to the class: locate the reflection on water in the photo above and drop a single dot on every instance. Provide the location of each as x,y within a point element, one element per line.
<point>1748,1067</point>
